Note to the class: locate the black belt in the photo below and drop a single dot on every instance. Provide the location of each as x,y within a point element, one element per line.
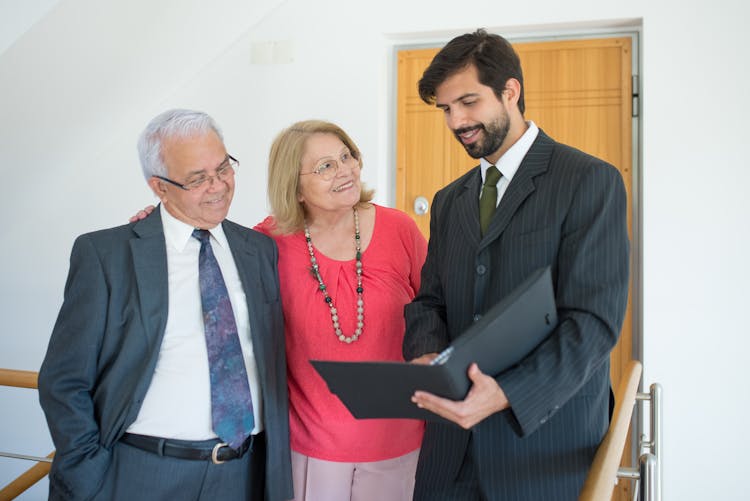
<point>214,450</point>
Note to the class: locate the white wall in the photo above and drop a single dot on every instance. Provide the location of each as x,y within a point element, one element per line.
<point>75,92</point>
<point>20,15</point>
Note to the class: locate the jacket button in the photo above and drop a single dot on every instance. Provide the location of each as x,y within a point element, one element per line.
<point>477,317</point>
<point>481,269</point>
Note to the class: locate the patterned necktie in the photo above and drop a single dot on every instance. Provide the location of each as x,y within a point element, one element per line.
<point>231,402</point>
<point>488,199</point>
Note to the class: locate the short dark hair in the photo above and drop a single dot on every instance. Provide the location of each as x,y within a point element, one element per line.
<point>494,58</point>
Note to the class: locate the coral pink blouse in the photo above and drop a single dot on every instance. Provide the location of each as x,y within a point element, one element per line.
<point>320,425</point>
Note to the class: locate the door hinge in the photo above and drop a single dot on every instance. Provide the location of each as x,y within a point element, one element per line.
<point>636,96</point>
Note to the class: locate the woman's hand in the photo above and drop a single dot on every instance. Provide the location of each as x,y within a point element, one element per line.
<point>141,214</point>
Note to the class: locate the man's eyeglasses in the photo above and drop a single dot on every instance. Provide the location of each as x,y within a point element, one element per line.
<point>223,172</point>
<point>327,169</point>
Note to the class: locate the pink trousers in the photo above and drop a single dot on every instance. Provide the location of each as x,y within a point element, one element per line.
<point>319,480</point>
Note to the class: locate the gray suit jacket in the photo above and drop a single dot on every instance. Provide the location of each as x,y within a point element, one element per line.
<point>107,338</point>
<point>565,209</point>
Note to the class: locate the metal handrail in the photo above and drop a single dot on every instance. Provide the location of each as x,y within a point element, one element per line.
<point>649,471</point>
<point>23,379</point>
<point>37,459</point>
<point>26,480</point>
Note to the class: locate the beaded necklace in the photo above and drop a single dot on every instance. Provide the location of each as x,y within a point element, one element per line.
<point>322,287</point>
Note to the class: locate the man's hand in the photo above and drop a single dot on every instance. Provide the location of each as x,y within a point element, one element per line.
<point>424,359</point>
<point>484,399</point>
<point>141,214</point>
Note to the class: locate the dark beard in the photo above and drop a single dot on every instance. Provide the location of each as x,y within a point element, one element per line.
<point>492,140</point>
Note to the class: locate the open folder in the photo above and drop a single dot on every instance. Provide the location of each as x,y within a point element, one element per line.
<point>504,335</point>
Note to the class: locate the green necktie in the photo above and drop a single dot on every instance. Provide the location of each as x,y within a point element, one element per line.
<point>488,199</point>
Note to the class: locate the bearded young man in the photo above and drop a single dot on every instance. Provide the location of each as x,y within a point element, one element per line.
<point>530,432</point>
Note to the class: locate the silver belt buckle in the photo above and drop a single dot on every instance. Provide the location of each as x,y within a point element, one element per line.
<point>215,453</point>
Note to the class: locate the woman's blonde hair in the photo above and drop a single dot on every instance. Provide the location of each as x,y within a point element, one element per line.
<point>284,165</point>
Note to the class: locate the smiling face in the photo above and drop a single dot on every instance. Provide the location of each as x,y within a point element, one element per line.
<point>475,115</point>
<point>342,191</point>
<point>186,159</point>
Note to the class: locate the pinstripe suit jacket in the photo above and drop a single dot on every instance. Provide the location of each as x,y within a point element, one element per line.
<point>565,209</point>
<point>106,342</point>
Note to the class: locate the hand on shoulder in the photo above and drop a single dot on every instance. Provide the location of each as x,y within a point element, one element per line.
<point>142,214</point>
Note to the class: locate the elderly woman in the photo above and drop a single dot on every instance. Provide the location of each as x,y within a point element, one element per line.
<point>347,268</point>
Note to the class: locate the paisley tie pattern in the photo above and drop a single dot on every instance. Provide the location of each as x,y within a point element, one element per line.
<point>231,401</point>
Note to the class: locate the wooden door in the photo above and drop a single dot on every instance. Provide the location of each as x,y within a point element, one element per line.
<point>578,91</point>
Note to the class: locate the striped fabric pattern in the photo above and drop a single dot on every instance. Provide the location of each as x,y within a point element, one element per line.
<point>564,209</point>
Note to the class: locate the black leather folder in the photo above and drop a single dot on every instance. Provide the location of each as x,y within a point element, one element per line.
<point>504,335</point>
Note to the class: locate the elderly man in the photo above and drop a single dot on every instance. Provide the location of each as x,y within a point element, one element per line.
<point>165,374</point>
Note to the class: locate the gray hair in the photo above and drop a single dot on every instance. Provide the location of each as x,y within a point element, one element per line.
<point>170,124</point>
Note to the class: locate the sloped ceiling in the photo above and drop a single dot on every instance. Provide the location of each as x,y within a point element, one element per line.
<point>78,68</point>
<point>17,16</point>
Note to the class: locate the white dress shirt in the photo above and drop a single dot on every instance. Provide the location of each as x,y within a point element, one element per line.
<point>511,160</point>
<point>178,401</point>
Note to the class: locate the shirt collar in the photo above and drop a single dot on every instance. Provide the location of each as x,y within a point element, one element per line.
<point>177,233</point>
<point>511,160</point>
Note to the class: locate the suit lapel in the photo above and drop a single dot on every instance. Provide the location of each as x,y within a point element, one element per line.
<point>534,163</point>
<point>245,259</point>
<point>467,207</point>
<point>150,267</point>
